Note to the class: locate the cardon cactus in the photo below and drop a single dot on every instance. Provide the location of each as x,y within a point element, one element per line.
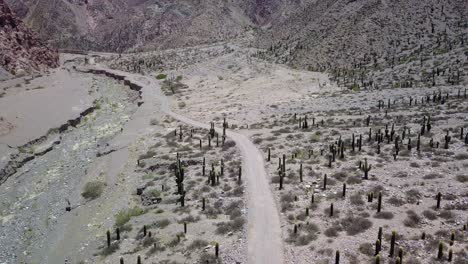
<point>366,168</point>
<point>392,244</point>
<point>379,204</point>
<point>440,252</point>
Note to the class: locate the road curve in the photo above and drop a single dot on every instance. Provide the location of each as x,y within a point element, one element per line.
<point>264,239</point>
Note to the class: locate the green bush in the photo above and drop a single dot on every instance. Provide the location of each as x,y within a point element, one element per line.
<point>161,76</point>
<point>93,190</point>
<point>123,216</point>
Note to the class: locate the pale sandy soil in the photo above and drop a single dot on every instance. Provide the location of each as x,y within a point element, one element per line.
<point>244,89</point>
<point>29,111</point>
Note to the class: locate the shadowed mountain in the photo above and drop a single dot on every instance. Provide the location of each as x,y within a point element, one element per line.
<point>21,50</point>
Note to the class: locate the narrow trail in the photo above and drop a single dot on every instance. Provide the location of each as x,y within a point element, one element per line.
<point>264,239</point>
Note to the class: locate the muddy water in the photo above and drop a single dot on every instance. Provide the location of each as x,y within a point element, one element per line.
<point>33,200</point>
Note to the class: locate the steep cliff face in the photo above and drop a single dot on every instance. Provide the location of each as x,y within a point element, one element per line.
<point>21,51</point>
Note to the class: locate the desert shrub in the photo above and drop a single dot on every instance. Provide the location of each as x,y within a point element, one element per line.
<point>413,195</point>
<point>93,190</point>
<point>148,241</point>
<point>231,226</point>
<point>340,176</point>
<point>153,193</point>
<point>197,244</point>
<point>412,219</point>
<point>356,199</point>
<point>234,213</point>
<point>306,234</point>
<point>147,155</point>
<point>384,215</point>
<point>142,164</point>
<point>462,178</point>
<point>287,200</point>
<point>355,225</point>
<point>160,224</point>
<point>157,247</point>
<point>395,201</point>
<point>212,212</point>
<point>460,257</point>
<point>461,156</point>
<point>336,211</point>
<point>209,258</point>
<point>447,214</point>
<point>429,214</point>
<point>377,189</point>
<point>412,260</point>
<point>106,251</point>
<point>401,174</point>
<point>153,122</point>
<point>173,242</point>
<point>257,141</point>
<point>332,231</point>
<point>229,144</point>
<point>367,249</point>
<point>353,180</point>
<point>161,76</point>
<point>237,192</point>
<point>123,216</point>
<point>189,219</point>
<point>431,176</point>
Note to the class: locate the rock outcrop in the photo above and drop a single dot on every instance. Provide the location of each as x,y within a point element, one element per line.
<point>21,51</point>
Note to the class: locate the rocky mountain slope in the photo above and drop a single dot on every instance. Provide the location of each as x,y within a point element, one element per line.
<point>117,25</point>
<point>21,50</point>
<point>353,38</point>
<point>333,30</point>
<point>349,38</point>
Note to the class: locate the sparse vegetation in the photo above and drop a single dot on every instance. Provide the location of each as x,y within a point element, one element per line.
<point>123,216</point>
<point>93,190</point>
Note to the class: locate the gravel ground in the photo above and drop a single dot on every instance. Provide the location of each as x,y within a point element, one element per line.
<point>33,200</point>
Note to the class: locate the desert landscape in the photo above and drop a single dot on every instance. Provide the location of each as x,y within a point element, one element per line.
<point>237,132</point>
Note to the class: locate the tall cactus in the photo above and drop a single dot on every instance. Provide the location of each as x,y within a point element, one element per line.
<point>378,247</point>
<point>440,252</point>
<point>108,234</point>
<point>392,243</point>
<point>366,168</point>
<point>438,197</point>
<point>300,173</point>
<point>447,140</point>
<point>379,204</point>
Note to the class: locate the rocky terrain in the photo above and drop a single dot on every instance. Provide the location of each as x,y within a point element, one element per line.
<point>329,131</point>
<point>321,140</point>
<point>118,26</point>
<point>21,50</point>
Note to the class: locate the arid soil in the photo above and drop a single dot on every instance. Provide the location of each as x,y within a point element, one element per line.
<point>144,175</point>
<point>269,102</point>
